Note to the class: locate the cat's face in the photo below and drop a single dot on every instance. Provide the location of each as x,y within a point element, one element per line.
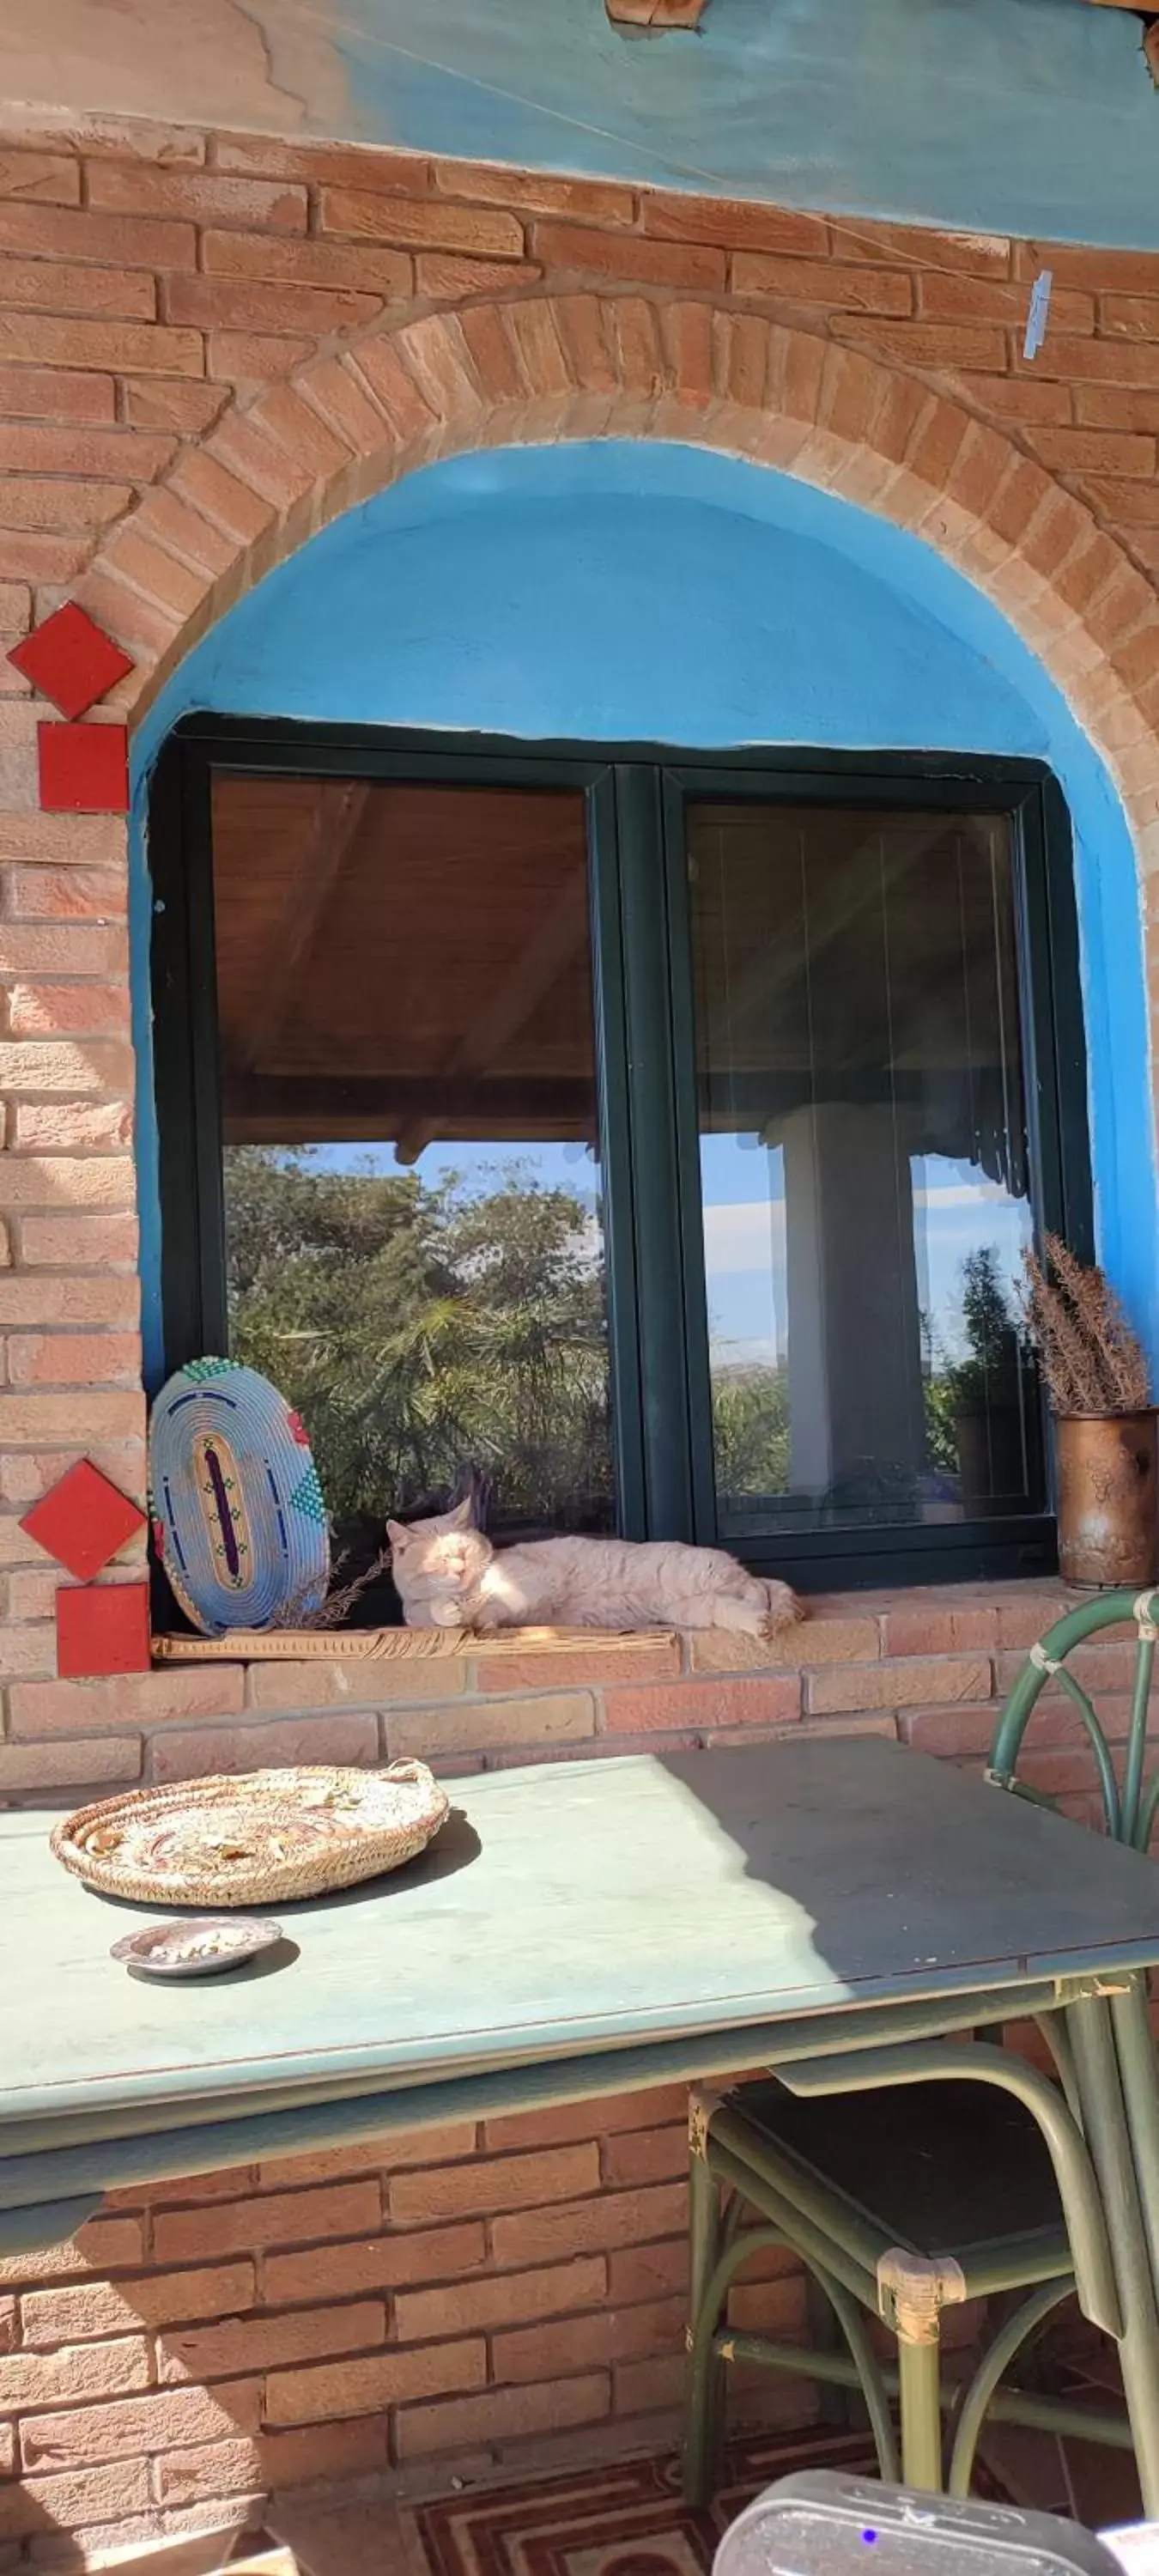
<point>437,1557</point>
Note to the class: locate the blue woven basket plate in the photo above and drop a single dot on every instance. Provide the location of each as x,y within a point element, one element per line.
<point>239,1521</point>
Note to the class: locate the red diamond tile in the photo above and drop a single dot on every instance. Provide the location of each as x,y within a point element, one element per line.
<point>71,660</point>
<point>83,1521</point>
<point>84,768</point>
<point>103,1630</point>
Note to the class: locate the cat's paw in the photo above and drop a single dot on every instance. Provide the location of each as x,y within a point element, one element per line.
<point>784,1609</point>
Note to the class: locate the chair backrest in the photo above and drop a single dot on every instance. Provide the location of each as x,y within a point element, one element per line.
<point>1129,1812</point>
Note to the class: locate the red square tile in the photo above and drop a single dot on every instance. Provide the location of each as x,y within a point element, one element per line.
<point>84,768</point>
<point>71,660</point>
<point>83,1521</point>
<point>103,1630</point>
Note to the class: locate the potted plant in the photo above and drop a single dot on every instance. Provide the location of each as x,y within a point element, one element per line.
<point>1099,1384</point>
<point>993,1410</point>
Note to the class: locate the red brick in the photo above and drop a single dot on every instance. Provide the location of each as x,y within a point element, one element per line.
<point>1017,398</point>
<point>655,2108</point>
<point>573,250</point>
<point>588,200</point>
<point>322,2452</point>
<point>771,1700</point>
<point>381,2379</point>
<point>188,408</point>
<point>242,2344</point>
<point>492,2183</point>
<point>77,2372</point>
<point>62,948</point>
<point>209,2472</point>
<point>648,2271</point>
<point>58,1010</point>
<point>114,1761</point>
<point>822,282</point>
<point>226,502</point>
<point>1116,407</point>
<point>199,196</point>
<point>1099,269</point>
<point>444,277</point>
<point>940,1632</point>
<point>542,2352</point>
<point>7,2450</point>
<point>975,254</point>
<point>952,1734</point>
<point>50,1708</point>
<point>344,164</point>
<point>982,299</point>
<point>92,2308</point>
<point>51,178</point>
<point>1110,362</point>
<point>103,2245</point>
<point>501,2415</point>
<point>26,502</point>
<point>54,286</point>
<point>913,1682</point>
<point>244,450</point>
<point>187,1753</point>
<point>1093,451</point>
<point>585,1666</point>
<point>119,454</point>
<point>361,267</point>
<point>382,2262</point>
<point>36,1181</point>
<point>112,241</point>
<point>79,1243</point>
<point>924,344</point>
<point>183,532</point>
<point>503,2299</point>
<point>163,2421</point>
<point>734,224</point>
<point>645,2155</point>
<point>247,304</point>
<point>31,557</point>
<point>74,1359</point>
<point>155,573</point>
<point>379,363</point>
<point>123,348</point>
<point>409,221</point>
<point>40,2505</point>
<point>342,402</point>
<point>278,2218</point>
<point>590,2226</point>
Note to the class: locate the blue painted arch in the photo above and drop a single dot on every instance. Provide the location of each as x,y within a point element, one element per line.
<point>639,592</point>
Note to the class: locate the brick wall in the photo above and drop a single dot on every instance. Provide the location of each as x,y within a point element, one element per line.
<point>209,346</point>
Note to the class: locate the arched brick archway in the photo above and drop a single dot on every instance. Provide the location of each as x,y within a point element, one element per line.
<point>538,369</point>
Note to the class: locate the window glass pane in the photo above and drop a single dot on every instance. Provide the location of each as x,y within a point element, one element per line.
<point>414,1227</point>
<point>863,1164</point>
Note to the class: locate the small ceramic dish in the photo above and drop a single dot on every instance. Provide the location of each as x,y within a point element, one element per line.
<point>200,1946</point>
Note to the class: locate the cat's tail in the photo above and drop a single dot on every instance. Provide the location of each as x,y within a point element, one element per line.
<point>784,1608</point>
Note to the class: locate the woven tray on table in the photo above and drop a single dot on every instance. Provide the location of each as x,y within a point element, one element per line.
<point>267,1838</point>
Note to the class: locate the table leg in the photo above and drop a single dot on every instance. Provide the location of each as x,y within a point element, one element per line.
<point>1131,2019</point>
<point>1113,2154</point>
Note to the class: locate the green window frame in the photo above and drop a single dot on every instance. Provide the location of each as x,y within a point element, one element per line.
<point>658,1326</point>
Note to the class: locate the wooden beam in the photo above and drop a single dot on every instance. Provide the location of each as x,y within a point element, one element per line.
<point>338,814</point>
<point>506,1010</point>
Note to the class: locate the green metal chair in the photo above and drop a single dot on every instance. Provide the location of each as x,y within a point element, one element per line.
<point>898,2209</point>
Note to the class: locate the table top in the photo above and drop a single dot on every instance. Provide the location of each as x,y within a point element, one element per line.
<point>578,1906</point>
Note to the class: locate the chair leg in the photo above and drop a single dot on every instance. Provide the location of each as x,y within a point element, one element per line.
<point>912,2290</point>
<point>704,2379</point>
<point>920,2390</point>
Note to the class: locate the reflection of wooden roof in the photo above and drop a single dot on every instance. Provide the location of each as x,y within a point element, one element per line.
<point>410,962</point>
<point>402,962</point>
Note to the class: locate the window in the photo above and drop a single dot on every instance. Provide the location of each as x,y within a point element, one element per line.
<point>660,1138</point>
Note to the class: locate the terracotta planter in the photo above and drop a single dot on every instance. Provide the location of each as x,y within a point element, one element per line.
<point>1108,1513</point>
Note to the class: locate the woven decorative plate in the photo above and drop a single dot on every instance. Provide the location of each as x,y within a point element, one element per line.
<point>261,1840</point>
<point>239,1522</point>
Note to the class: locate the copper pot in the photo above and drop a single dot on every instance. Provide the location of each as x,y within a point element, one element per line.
<point>1108,1516</point>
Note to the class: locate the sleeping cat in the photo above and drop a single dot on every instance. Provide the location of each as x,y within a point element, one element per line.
<point>448,1575</point>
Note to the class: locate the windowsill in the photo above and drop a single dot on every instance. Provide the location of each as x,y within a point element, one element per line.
<point>840,1628</point>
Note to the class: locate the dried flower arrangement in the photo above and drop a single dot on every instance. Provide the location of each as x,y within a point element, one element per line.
<point>1090,1359</point>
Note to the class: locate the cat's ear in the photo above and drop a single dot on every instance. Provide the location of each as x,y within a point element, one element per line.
<point>397,1533</point>
<point>463,1514</point>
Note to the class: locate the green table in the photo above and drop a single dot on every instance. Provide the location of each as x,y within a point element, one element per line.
<point>588,1927</point>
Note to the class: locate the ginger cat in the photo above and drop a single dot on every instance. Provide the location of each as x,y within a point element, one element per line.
<point>448,1575</point>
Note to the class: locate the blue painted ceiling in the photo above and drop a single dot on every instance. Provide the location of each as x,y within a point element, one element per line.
<point>1026,116</point>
